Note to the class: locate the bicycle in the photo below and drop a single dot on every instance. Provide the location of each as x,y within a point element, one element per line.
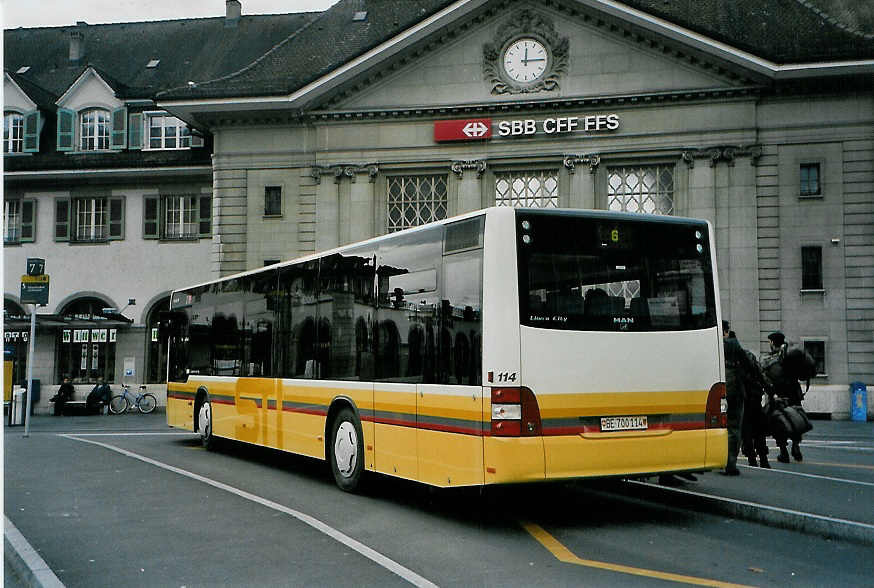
<point>144,401</point>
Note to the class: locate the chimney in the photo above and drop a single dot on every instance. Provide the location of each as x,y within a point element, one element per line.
<point>233,12</point>
<point>77,46</point>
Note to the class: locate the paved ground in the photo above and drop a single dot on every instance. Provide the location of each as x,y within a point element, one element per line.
<point>124,500</point>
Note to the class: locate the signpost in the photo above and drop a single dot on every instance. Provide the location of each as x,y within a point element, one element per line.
<point>34,290</point>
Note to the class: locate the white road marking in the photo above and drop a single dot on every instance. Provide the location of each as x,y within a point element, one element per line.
<point>373,555</point>
<point>138,434</point>
<point>831,479</point>
<point>789,511</point>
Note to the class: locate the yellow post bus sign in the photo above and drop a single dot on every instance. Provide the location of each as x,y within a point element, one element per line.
<point>35,289</point>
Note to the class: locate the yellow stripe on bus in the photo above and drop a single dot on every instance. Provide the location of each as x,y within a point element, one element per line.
<point>600,403</point>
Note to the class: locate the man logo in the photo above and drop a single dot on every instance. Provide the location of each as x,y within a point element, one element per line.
<point>623,322</point>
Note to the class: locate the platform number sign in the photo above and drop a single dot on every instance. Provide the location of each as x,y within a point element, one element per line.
<point>35,283</point>
<point>36,266</point>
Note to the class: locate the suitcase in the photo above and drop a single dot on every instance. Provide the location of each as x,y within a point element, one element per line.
<point>781,426</point>
<point>800,423</point>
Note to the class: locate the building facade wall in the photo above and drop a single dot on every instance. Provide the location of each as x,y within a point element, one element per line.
<point>735,162</point>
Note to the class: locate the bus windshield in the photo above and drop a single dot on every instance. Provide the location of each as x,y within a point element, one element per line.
<point>614,273</point>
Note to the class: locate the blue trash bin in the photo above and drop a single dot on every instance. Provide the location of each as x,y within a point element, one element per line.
<point>858,402</point>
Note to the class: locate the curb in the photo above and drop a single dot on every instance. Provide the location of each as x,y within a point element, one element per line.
<point>30,567</point>
<point>814,524</point>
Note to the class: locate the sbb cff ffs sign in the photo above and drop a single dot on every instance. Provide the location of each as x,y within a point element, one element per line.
<point>462,130</point>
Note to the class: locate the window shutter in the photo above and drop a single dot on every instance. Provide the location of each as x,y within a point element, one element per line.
<point>205,210</point>
<point>135,132</point>
<point>196,139</point>
<point>118,138</point>
<point>116,218</point>
<point>62,219</point>
<point>28,220</point>
<point>31,132</point>
<point>150,217</point>
<point>65,129</point>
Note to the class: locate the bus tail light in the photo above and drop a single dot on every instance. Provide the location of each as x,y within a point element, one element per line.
<point>515,413</point>
<point>716,414</point>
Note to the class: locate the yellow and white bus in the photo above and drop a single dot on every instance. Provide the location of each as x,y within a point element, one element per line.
<point>504,345</point>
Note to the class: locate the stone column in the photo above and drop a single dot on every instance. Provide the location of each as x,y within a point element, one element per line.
<point>362,205</point>
<point>229,218</point>
<point>581,174</point>
<point>469,185</point>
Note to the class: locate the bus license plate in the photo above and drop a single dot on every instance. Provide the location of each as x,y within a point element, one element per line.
<point>632,423</point>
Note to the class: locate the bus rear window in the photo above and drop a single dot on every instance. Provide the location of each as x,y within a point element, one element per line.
<point>614,273</point>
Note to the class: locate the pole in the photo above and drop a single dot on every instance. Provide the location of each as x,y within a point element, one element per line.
<point>30,372</point>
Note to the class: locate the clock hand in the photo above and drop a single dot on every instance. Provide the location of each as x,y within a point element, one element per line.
<point>525,60</point>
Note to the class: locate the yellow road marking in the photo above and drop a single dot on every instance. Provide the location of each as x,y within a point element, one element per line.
<point>565,555</point>
<point>840,465</point>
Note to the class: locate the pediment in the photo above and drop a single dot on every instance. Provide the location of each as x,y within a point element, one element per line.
<point>14,98</point>
<point>589,58</point>
<point>89,89</point>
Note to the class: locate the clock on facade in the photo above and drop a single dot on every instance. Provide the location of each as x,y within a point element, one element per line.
<point>525,60</point>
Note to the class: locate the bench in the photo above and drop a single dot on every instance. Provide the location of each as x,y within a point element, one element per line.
<point>79,407</point>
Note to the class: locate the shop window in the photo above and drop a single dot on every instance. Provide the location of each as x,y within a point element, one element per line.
<point>809,180</point>
<point>648,189</point>
<point>816,349</point>
<point>177,217</point>
<point>537,189</point>
<point>86,350</point>
<point>89,219</point>
<point>16,339</point>
<point>811,268</point>
<point>18,220</point>
<point>416,200</point>
<point>273,201</point>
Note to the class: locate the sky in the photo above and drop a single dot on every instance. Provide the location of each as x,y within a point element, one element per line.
<point>52,13</point>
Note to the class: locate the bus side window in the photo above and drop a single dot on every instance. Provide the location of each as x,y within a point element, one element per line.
<point>407,330</point>
<point>297,339</point>
<point>463,292</point>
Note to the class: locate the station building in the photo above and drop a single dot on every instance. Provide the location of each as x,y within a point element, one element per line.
<point>378,115</point>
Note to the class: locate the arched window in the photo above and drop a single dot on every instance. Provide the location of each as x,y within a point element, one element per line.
<point>13,132</point>
<point>86,349</point>
<point>94,128</point>
<point>156,350</point>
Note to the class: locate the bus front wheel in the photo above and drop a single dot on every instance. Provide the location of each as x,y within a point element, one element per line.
<point>204,425</point>
<point>347,450</point>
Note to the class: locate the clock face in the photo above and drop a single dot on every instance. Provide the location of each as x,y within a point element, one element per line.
<point>525,60</point>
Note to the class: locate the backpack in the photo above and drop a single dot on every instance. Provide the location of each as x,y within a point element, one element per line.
<point>798,364</point>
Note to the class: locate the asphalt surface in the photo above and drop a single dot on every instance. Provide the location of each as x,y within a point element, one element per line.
<point>124,500</point>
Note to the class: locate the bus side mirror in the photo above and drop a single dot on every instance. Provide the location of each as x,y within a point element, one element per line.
<point>170,324</point>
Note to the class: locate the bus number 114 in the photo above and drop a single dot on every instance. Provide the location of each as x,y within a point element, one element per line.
<point>506,376</point>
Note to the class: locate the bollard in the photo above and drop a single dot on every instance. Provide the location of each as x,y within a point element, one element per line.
<point>858,402</point>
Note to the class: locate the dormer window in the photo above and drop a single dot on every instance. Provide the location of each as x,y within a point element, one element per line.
<point>168,132</point>
<point>94,127</point>
<point>13,132</point>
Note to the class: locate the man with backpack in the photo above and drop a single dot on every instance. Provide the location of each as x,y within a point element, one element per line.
<point>784,367</point>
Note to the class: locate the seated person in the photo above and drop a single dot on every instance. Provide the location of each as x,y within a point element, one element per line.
<point>65,393</point>
<point>98,397</point>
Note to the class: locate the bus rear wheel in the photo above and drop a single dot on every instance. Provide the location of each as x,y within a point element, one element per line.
<point>347,450</point>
